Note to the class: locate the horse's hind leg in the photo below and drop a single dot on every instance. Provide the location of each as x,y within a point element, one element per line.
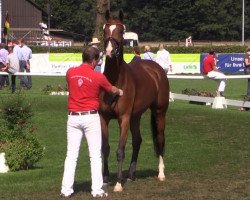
<point>136,143</point>
<point>158,127</point>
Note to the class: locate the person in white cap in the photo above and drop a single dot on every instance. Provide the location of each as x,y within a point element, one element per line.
<point>100,66</point>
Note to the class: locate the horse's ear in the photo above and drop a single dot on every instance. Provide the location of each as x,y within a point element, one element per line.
<point>121,15</point>
<point>107,15</point>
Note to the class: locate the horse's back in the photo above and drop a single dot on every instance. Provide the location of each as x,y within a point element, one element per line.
<point>151,83</point>
<point>148,72</point>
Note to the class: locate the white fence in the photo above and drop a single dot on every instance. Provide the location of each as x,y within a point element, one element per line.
<point>215,101</point>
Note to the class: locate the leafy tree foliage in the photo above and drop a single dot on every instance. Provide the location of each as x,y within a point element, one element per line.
<point>158,20</point>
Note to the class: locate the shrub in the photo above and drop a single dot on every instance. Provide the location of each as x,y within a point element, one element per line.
<point>22,153</point>
<point>16,110</point>
<point>17,133</point>
<point>48,89</point>
<point>194,92</point>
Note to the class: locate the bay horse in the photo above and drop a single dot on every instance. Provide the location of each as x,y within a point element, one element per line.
<point>145,85</point>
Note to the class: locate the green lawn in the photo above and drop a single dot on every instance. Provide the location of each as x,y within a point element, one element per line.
<point>207,150</point>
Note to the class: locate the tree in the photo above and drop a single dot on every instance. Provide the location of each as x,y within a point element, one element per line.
<point>153,19</point>
<point>101,8</point>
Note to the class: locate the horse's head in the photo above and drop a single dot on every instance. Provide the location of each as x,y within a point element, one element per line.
<point>113,34</point>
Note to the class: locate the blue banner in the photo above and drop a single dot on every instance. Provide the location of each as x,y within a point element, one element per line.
<point>229,63</point>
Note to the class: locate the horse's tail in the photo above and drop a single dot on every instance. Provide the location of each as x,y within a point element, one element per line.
<point>154,134</point>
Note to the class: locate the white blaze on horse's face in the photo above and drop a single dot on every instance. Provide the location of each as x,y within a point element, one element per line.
<point>109,47</point>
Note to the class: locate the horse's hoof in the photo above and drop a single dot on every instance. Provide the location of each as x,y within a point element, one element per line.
<point>161,178</point>
<point>118,187</point>
<point>129,179</point>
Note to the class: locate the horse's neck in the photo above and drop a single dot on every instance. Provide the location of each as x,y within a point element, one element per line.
<point>113,68</point>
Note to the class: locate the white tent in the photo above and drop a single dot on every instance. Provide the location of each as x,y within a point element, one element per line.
<point>131,39</point>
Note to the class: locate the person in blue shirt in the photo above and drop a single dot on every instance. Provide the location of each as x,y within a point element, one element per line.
<point>148,55</point>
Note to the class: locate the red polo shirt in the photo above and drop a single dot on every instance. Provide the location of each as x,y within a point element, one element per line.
<point>84,86</point>
<point>208,64</point>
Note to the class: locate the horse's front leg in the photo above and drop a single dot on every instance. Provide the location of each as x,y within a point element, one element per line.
<point>136,143</point>
<point>105,149</point>
<point>124,124</point>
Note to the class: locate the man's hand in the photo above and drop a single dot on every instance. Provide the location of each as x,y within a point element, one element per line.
<point>120,92</point>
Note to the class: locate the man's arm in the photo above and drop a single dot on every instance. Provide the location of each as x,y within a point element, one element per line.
<point>5,68</point>
<point>116,91</point>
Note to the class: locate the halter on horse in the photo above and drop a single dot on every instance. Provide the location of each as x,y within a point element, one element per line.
<point>145,85</point>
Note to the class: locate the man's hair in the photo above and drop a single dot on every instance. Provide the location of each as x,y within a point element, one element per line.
<point>161,46</point>
<point>136,49</point>
<point>23,41</point>
<point>89,54</point>
<point>212,52</point>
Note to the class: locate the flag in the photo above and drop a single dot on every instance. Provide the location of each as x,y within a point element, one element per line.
<point>6,29</point>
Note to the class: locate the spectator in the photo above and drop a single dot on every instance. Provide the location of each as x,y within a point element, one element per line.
<point>12,66</point>
<point>247,72</point>
<point>84,86</point>
<point>136,51</point>
<point>211,71</point>
<point>17,49</point>
<point>163,58</point>
<point>148,55</point>
<point>3,56</point>
<point>189,41</point>
<point>100,66</point>
<point>25,65</point>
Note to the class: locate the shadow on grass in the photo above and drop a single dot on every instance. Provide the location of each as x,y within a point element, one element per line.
<point>143,174</point>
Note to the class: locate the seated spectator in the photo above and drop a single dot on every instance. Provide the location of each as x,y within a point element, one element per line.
<point>211,71</point>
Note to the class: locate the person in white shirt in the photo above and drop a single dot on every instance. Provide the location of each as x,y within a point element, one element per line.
<point>25,65</point>
<point>148,55</point>
<point>163,58</point>
<point>12,66</point>
<point>3,56</point>
<point>17,49</point>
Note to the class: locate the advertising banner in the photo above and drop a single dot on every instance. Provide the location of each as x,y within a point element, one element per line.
<point>55,62</point>
<point>185,64</point>
<point>181,63</point>
<point>229,63</point>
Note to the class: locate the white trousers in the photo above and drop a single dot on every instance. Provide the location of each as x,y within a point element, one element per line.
<point>221,81</point>
<point>77,127</point>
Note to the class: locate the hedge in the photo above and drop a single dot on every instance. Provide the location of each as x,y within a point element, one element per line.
<point>171,49</point>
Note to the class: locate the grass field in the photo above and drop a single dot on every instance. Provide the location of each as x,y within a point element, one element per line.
<point>207,151</point>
